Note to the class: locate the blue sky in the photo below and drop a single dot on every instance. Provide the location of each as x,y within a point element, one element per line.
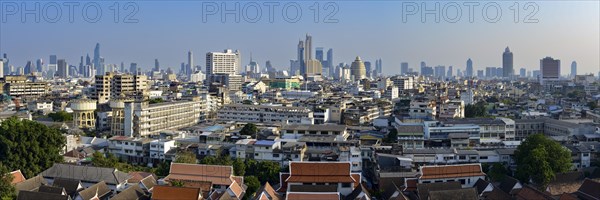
<point>567,30</point>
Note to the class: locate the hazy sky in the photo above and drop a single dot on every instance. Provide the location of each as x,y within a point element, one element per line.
<point>166,30</point>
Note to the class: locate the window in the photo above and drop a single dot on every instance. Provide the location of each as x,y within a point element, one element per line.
<point>483,157</point>
<point>256,154</point>
<point>462,181</point>
<point>426,181</point>
<point>345,185</point>
<point>462,157</point>
<point>276,155</point>
<point>439,181</point>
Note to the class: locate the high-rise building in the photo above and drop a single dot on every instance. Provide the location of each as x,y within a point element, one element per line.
<point>330,58</point>
<point>469,69</point>
<point>308,48</point>
<point>29,68</point>
<point>423,65</point>
<point>190,65</point>
<point>523,73</point>
<point>63,68</point>
<point>357,69</point>
<point>368,69</point>
<point>549,69</point>
<point>156,65</point>
<point>319,54</point>
<point>133,68</point>
<point>379,66</point>
<point>269,67</point>
<point>39,65</point>
<point>440,71</point>
<point>226,62</point>
<point>403,68</point>
<point>97,64</point>
<point>573,69</point>
<point>450,72</point>
<point>507,63</point>
<point>112,85</point>
<point>480,74</point>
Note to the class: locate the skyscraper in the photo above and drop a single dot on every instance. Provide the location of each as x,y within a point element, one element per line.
<point>403,68</point>
<point>368,69</point>
<point>423,65</point>
<point>97,59</point>
<point>156,65</point>
<point>357,69</point>
<point>29,68</point>
<point>226,62</point>
<point>469,69</point>
<point>39,65</point>
<point>133,68</point>
<point>440,71</point>
<point>523,73</point>
<point>62,68</point>
<point>308,47</point>
<point>549,69</point>
<point>573,69</point>
<point>507,63</point>
<point>1,67</point>
<point>190,66</point>
<point>319,54</point>
<point>450,72</point>
<point>330,58</point>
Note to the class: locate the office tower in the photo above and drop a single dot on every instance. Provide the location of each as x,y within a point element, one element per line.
<point>72,70</point>
<point>379,66</point>
<point>300,56</point>
<point>269,67</point>
<point>499,72</point>
<point>190,65</point>
<point>573,69</point>
<point>319,54</point>
<point>450,72</point>
<point>156,65</point>
<point>507,63</point>
<point>330,58</point>
<point>368,69</point>
<point>536,74</point>
<point>479,73</point>
<point>469,69</point>
<point>308,48</point>
<point>29,68</point>
<point>440,71</point>
<point>528,73</point>
<point>88,60</point>
<point>403,68</point>
<point>252,67</point>
<point>97,59</point>
<point>423,65</point>
<point>358,69</point>
<point>549,69</point>
<point>132,68</point>
<point>39,65</point>
<point>523,73</point>
<point>226,62</point>
<point>313,68</point>
<point>62,68</point>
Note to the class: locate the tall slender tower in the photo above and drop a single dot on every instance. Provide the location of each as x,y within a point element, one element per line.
<point>308,48</point>
<point>97,58</point>
<point>573,69</point>
<point>507,63</point>
<point>469,69</point>
<point>190,63</point>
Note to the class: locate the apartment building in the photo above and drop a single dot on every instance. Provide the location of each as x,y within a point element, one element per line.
<point>143,119</point>
<point>132,150</point>
<point>296,131</point>
<point>21,86</point>
<point>265,114</point>
<point>111,85</point>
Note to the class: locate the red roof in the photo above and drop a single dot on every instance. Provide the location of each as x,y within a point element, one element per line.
<point>312,196</point>
<point>320,172</point>
<point>161,192</point>
<point>218,175</point>
<point>451,171</point>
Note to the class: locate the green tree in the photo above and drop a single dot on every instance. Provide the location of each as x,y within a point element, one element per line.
<point>266,171</point>
<point>497,172</point>
<point>61,116</point>
<point>177,183</point>
<point>7,190</point>
<point>156,100</point>
<point>29,146</point>
<point>99,160</point>
<point>186,157</point>
<point>392,136</point>
<point>539,159</point>
<point>163,169</point>
<point>475,110</point>
<point>239,167</point>
<point>253,185</point>
<point>249,129</point>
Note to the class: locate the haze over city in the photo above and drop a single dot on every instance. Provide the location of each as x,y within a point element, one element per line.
<point>565,30</point>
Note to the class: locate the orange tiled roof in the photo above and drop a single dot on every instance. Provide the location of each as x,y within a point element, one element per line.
<point>320,172</point>
<point>218,175</point>
<point>161,192</point>
<point>312,196</point>
<point>451,171</point>
<point>17,177</point>
<point>236,189</point>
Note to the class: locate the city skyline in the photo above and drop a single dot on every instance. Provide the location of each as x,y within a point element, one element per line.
<point>409,42</point>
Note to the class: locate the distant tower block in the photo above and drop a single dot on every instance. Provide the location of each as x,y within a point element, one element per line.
<point>83,113</point>
<point>117,124</point>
